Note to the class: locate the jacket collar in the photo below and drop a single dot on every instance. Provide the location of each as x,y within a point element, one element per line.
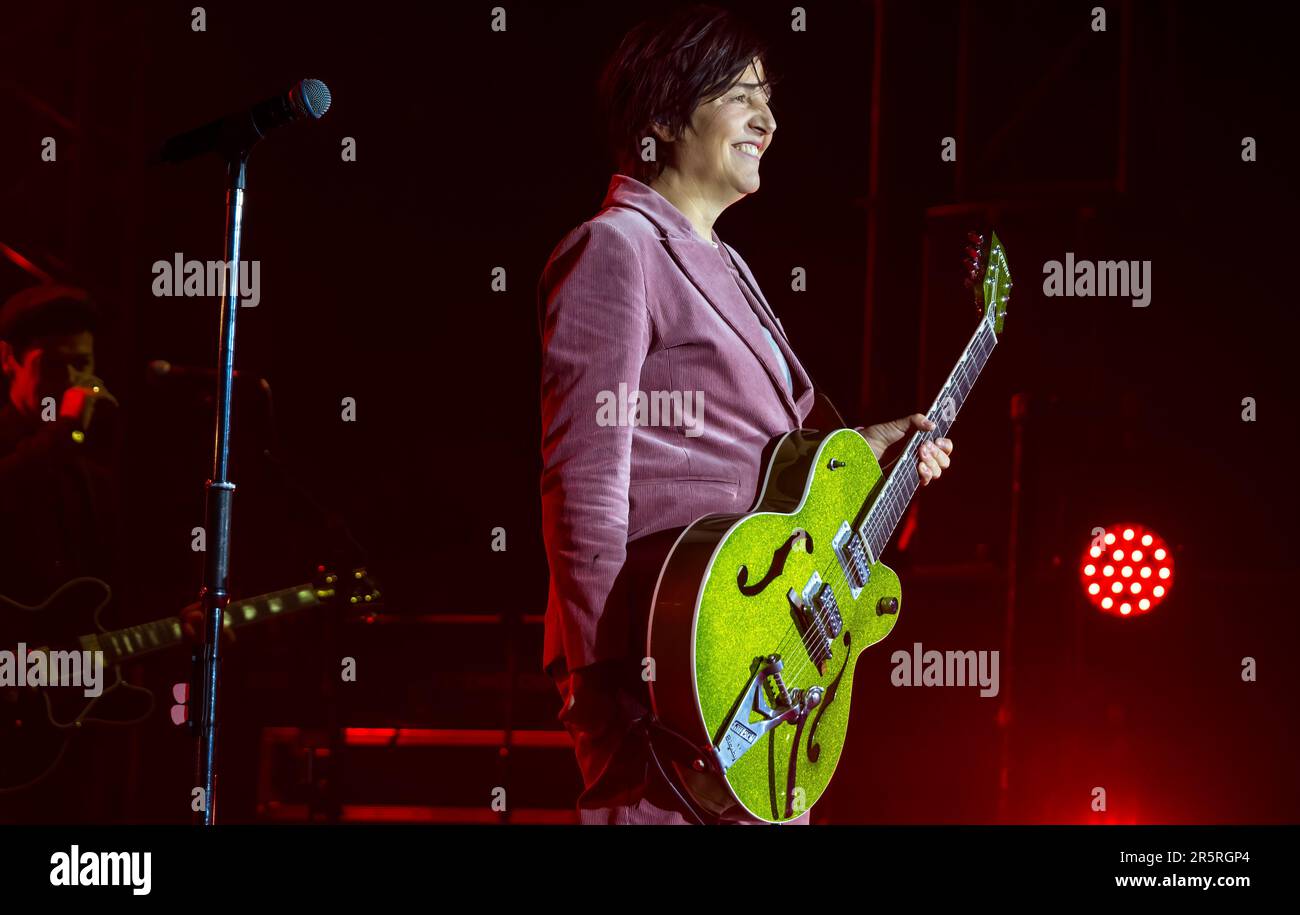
<point>626,191</point>
<point>703,264</point>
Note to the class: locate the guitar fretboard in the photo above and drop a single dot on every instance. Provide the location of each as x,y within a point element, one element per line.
<point>121,644</point>
<point>895,495</point>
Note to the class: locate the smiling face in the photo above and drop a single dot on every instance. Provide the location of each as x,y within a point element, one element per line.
<point>719,154</point>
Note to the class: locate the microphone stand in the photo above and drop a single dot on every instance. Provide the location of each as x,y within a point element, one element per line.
<point>215,595</point>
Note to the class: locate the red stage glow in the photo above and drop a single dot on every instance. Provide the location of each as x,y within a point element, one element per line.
<point>1129,589</point>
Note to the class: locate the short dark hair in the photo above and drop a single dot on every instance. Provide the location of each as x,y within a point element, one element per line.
<point>665,68</point>
<point>46,310</point>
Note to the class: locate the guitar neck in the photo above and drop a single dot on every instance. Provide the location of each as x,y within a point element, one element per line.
<point>896,493</point>
<point>124,644</point>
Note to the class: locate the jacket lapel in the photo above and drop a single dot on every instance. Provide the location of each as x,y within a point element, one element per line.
<point>802,381</point>
<point>710,276</point>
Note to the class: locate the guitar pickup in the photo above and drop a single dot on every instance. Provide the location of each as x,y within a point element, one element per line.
<point>819,619</point>
<point>852,554</point>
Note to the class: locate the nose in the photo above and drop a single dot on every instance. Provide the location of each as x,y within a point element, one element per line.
<point>764,121</point>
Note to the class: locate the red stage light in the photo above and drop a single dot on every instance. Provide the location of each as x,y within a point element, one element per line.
<point>1155,562</point>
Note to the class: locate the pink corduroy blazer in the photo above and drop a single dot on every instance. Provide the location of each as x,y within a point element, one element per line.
<point>634,300</point>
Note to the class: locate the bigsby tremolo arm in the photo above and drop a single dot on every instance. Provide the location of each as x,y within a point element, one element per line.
<point>740,734</point>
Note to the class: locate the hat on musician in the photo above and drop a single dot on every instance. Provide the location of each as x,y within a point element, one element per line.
<point>45,310</point>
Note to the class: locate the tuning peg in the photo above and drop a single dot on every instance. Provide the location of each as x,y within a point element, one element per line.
<point>975,238</point>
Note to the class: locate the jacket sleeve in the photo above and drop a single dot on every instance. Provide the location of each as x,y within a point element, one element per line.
<point>596,332</point>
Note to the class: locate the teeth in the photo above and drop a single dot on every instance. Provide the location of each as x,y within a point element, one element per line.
<point>748,147</point>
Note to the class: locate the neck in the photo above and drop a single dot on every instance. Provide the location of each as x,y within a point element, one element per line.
<point>689,196</point>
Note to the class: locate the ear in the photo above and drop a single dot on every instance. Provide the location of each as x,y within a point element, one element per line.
<point>661,131</point>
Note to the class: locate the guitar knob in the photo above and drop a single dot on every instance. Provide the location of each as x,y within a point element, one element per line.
<point>887,605</point>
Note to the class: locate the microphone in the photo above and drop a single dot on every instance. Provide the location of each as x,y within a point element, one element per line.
<point>234,134</point>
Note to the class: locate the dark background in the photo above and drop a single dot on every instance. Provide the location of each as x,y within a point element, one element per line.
<point>479,149</point>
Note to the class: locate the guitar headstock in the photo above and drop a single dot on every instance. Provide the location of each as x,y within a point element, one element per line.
<point>988,276</point>
<point>354,587</point>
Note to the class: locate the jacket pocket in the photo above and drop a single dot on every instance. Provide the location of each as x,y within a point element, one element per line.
<point>668,481</point>
<point>676,502</point>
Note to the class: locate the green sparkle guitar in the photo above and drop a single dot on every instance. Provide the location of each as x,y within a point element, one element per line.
<point>757,619</point>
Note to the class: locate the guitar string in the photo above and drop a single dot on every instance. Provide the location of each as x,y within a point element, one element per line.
<point>813,644</point>
<point>837,574</point>
<point>816,649</point>
<point>811,640</point>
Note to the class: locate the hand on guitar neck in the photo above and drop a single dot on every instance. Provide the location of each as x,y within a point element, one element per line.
<point>191,618</point>
<point>890,437</point>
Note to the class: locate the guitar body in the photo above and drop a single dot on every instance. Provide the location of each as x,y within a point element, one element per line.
<point>736,590</point>
<point>37,723</point>
<point>32,743</point>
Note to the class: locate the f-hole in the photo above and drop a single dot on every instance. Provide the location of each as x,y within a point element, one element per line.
<point>776,566</point>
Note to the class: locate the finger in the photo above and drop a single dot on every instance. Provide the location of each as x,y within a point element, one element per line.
<point>930,456</point>
<point>945,444</point>
<point>923,471</point>
<point>921,421</point>
<point>933,451</point>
